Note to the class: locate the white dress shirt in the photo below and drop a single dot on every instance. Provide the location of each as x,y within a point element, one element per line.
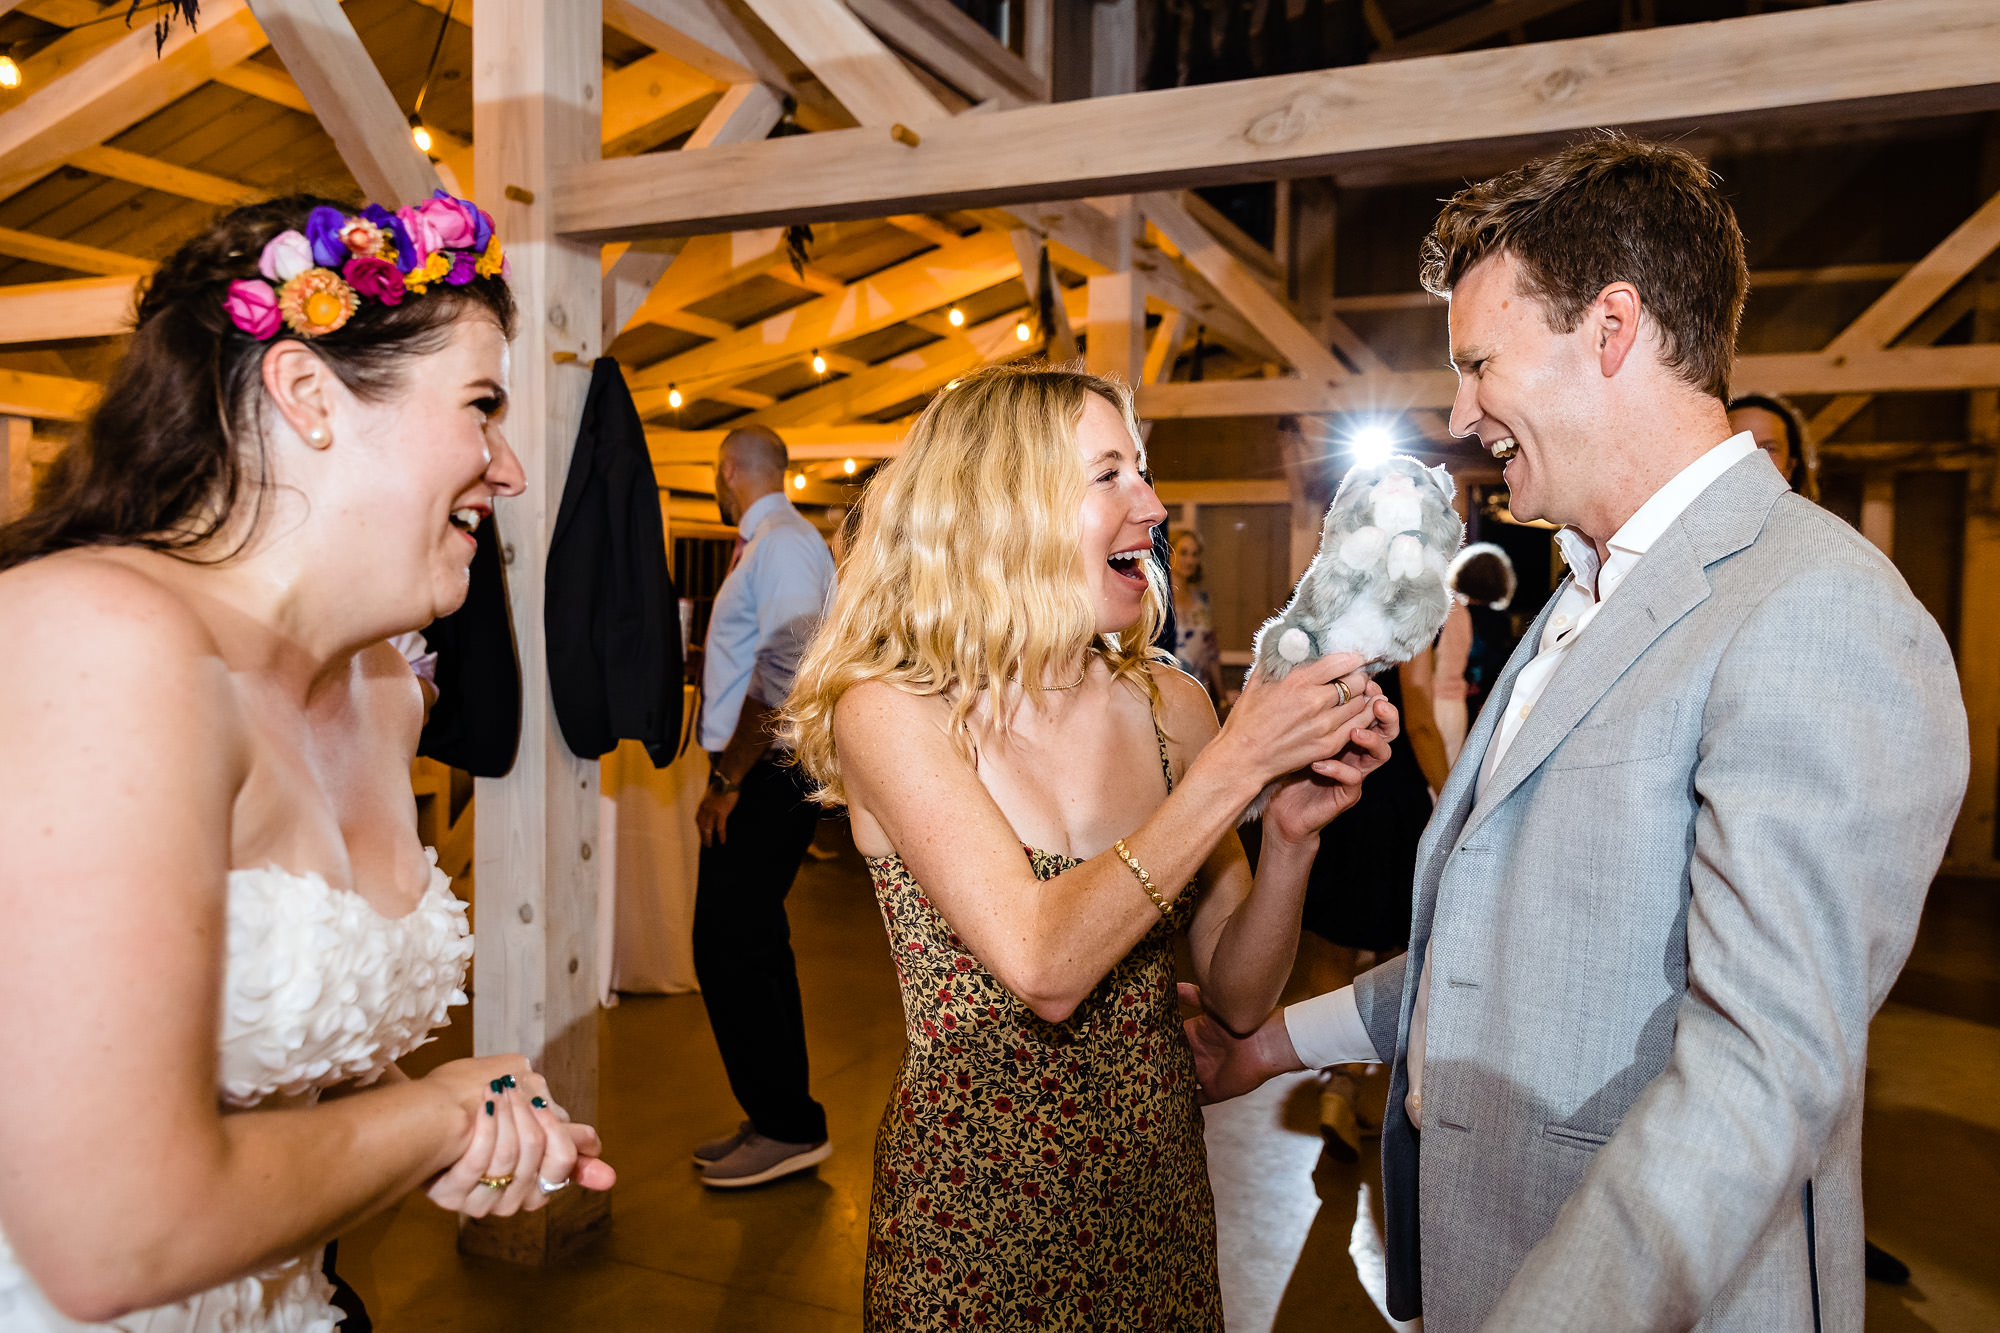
<point>1327,1029</point>
<point>764,615</point>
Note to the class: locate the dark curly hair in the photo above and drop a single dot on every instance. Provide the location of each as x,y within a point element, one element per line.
<point>1606,210</point>
<point>176,445</point>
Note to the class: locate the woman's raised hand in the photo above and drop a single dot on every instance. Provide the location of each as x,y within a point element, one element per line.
<point>1281,726</point>
<point>523,1147</point>
<point>1308,801</point>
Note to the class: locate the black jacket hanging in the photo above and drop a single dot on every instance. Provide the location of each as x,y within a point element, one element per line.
<point>476,723</point>
<point>611,612</point>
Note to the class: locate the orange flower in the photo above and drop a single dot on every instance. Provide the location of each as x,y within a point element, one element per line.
<point>315,302</point>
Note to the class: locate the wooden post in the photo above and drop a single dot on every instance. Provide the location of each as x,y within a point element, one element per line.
<point>536,109</point>
<point>16,435</point>
<point>1117,318</point>
<point>1878,509</point>
<point>1114,47</point>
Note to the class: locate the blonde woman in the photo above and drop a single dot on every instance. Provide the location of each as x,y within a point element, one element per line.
<point>1043,809</point>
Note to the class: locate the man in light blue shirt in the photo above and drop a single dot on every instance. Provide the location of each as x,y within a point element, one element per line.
<point>756,820</point>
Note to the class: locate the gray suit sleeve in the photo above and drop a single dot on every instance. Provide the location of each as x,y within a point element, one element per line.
<point>1832,762</point>
<point>1378,994</point>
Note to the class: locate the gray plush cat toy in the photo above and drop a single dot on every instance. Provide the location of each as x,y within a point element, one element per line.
<point>1377,586</point>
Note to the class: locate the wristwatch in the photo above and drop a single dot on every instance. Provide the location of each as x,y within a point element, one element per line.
<point>720,785</point>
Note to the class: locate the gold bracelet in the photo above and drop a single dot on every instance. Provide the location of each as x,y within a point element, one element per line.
<point>1145,880</point>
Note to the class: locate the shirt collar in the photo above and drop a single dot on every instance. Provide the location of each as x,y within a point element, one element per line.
<point>763,508</point>
<point>1655,516</point>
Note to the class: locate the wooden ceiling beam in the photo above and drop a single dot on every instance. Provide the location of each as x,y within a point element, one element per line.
<point>47,397</point>
<point>869,79</point>
<point>258,79</point>
<point>1470,28</point>
<point>83,308</point>
<point>352,103</point>
<point>153,174</point>
<point>121,84</point>
<point>1894,370</point>
<point>933,279</point>
<point>803,444</point>
<point>938,35</point>
<point>652,100</point>
<point>69,255</point>
<point>1901,58</point>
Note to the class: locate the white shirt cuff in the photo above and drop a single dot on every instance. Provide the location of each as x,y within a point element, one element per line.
<point>1327,1030</point>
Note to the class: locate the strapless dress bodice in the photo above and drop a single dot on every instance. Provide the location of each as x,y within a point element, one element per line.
<point>320,989</point>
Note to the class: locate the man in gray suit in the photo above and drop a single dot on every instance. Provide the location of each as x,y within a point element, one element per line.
<point>1684,851</point>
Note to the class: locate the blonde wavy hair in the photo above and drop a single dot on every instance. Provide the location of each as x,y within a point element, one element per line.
<point>965,572</point>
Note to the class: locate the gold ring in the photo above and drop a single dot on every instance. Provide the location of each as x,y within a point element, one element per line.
<point>1345,694</point>
<point>497,1182</point>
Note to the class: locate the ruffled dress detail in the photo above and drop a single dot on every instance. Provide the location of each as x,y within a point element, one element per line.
<point>320,989</point>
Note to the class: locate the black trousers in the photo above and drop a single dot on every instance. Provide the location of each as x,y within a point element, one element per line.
<point>743,952</point>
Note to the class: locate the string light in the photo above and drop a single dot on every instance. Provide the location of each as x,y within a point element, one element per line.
<point>674,398</point>
<point>957,317</point>
<point>10,71</point>
<point>420,136</point>
<point>849,467</point>
<point>799,481</point>
<point>1022,332</point>
<point>819,366</point>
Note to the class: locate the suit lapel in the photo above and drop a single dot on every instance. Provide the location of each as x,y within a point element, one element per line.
<point>1668,582</point>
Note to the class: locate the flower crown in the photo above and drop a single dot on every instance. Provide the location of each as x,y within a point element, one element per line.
<point>322,273</point>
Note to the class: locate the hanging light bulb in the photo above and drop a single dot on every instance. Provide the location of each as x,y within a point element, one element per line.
<point>1022,332</point>
<point>849,467</point>
<point>799,481</point>
<point>674,398</point>
<point>819,364</point>
<point>10,71</point>
<point>420,136</point>
<point>957,317</point>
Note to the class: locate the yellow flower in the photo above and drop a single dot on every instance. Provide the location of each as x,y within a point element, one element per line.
<point>489,263</point>
<point>315,302</point>
<point>428,272</point>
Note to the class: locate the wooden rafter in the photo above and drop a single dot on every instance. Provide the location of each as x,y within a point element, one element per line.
<point>153,174</point>
<point>49,311</point>
<point>874,85</point>
<point>1470,28</point>
<point>50,397</point>
<point>652,100</point>
<point>69,254</point>
<point>937,34</point>
<point>684,448</point>
<point>1915,56</point>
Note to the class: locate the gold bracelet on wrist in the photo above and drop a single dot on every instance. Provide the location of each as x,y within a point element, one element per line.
<point>1145,880</point>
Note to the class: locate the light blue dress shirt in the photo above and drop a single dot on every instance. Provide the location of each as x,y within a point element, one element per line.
<point>765,614</point>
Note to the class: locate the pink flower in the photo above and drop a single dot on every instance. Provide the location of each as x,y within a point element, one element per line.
<point>253,307</point>
<point>376,278</point>
<point>285,256</point>
<point>452,222</point>
<point>423,234</point>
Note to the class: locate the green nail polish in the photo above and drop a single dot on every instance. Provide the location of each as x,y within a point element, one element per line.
<point>489,1108</point>
<point>497,1085</point>
<point>538,1103</point>
<point>508,1080</point>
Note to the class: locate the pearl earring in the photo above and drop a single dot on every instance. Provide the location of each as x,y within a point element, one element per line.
<point>317,435</point>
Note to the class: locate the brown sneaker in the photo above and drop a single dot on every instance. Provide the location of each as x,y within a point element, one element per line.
<point>707,1154</point>
<point>758,1160</point>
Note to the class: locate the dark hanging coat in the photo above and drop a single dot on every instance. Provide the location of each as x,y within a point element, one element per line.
<point>476,723</point>
<point>612,613</point>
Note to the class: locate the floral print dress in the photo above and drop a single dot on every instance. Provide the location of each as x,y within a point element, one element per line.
<point>1031,1174</point>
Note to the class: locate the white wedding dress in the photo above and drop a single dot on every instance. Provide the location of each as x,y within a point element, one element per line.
<point>321,990</point>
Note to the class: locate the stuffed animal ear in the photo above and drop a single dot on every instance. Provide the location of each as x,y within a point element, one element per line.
<point>1443,479</point>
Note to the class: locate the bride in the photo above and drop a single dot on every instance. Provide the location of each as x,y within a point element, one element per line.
<point>217,927</point>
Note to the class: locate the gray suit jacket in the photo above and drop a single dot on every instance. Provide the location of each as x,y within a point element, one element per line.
<point>1657,938</point>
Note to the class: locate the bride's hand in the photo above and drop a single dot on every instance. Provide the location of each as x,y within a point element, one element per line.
<point>522,1144</point>
<point>1309,800</point>
<point>1279,727</point>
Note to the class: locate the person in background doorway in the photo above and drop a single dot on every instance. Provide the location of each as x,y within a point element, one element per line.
<point>1780,431</point>
<point>757,819</point>
<point>1195,648</point>
<point>1477,640</point>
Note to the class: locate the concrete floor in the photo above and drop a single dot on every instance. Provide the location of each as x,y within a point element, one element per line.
<point>1297,1231</point>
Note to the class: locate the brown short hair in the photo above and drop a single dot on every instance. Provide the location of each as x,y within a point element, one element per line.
<point>1610,209</point>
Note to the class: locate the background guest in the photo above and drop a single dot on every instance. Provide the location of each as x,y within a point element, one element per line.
<point>756,820</point>
<point>1780,431</point>
<point>1195,646</point>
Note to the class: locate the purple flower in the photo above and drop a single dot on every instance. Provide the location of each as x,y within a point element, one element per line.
<point>253,307</point>
<point>323,227</point>
<point>406,253</point>
<point>463,265</point>
<point>377,278</point>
